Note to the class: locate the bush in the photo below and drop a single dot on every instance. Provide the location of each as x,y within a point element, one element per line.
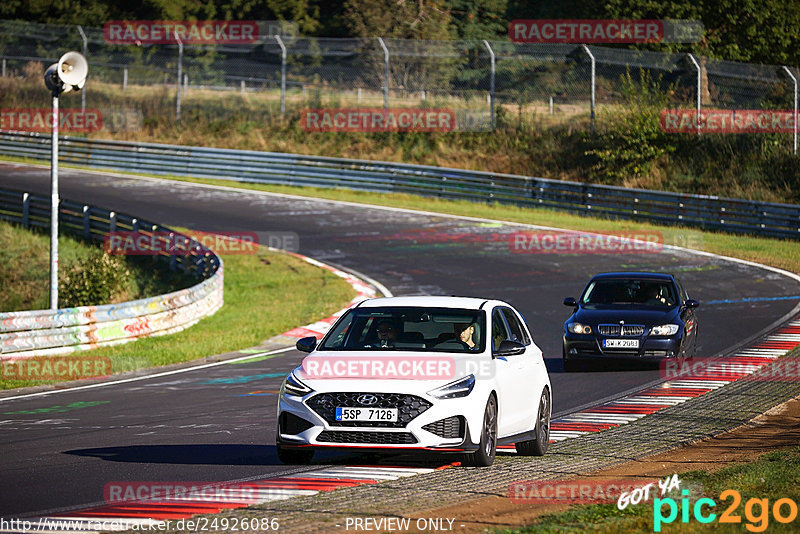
<point>631,141</point>
<point>101,279</point>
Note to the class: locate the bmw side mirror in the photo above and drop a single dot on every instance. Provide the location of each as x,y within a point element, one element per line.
<point>306,344</point>
<point>509,348</point>
<point>691,304</point>
<point>570,301</point>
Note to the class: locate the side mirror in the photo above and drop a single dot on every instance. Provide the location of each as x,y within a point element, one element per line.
<point>570,301</point>
<point>509,348</point>
<point>306,344</point>
<point>691,304</point>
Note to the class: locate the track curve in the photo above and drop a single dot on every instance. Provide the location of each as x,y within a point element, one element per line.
<point>208,424</point>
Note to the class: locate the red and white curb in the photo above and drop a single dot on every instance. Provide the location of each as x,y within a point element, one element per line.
<point>716,374</point>
<point>123,516</point>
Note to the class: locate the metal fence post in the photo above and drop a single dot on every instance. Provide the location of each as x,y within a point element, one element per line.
<point>491,82</point>
<point>26,210</point>
<point>185,83</point>
<point>124,78</point>
<point>385,74</point>
<point>86,55</point>
<point>791,75</point>
<point>591,57</point>
<point>699,88</point>
<point>180,71</point>
<point>283,74</point>
<point>87,222</point>
<point>4,67</point>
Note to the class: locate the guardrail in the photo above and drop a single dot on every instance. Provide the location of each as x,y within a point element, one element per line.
<point>728,214</point>
<point>45,332</point>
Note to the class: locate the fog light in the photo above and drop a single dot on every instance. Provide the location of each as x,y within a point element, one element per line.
<point>573,350</point>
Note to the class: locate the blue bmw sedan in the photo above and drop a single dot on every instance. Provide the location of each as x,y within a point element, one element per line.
<point>630,316</point>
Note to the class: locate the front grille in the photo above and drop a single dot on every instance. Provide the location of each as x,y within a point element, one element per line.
<point>371,438</point>
<point>626,330</point>
<point>408,407</point>
<point>451,427</point>
<point>291,424</point>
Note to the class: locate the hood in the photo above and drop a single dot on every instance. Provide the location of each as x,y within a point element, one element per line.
<point>647,316</point>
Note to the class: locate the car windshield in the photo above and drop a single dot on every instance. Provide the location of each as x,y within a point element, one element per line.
<point>627,291</point>
<point>408,329</point>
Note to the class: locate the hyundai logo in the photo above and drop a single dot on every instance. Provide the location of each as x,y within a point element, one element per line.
<point>367,399</point>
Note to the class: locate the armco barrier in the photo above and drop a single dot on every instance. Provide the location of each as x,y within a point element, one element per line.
<point>46,332</point>
<point>744,216</point>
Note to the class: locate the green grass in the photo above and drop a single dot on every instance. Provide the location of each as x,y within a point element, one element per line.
<point>773,476</point>
<point>265,294</point>
<point>25,269</point>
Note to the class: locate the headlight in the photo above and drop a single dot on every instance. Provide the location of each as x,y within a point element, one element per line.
<point>292,386</point>
<point>578,328</point>
<point>664,330</point>
<point>460,388</point>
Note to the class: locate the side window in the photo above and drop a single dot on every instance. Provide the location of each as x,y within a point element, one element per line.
<point>518,332</point>
<point>499,332</point>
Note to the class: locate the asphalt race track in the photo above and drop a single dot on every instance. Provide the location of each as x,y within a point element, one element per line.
<point>59,451</point>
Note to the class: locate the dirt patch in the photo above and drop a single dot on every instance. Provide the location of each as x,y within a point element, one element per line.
<point>778,428</point>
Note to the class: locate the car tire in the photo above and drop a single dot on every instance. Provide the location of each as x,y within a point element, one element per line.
<point>487,448</point>
<point>294,456</point>
<point>538,446</point>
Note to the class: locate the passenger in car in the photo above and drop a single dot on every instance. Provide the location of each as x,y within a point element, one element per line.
<point>464,332</point>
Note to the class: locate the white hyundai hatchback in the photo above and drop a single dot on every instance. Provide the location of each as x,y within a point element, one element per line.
<point>448,374</point>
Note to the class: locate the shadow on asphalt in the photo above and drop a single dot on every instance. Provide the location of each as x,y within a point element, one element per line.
<point>220,454</point>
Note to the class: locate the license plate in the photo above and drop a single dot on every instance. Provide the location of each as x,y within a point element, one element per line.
<point>621,343</point>
<point>366,414</point>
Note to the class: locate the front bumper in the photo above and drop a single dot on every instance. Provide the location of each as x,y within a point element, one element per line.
<point>444,426</point>
<point>589,347</point>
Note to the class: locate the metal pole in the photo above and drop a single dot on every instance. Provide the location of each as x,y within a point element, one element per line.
<point>54,207</point>
<point>4,67</point>
<point>124,78</point>
<point>180,71</point>
<point>385,74</point>
<point>86,55</point>
<point>491,82</point>
<point>551,104</point>
<point>185,83</point>
<point>591,56</point>
<point>699,88</point>
<point>794,81</point>
<point>283,74</point>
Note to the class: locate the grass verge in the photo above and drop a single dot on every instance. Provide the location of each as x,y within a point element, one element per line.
<point>766,480</point>
<point>25,268</point>
<point>265,294</point>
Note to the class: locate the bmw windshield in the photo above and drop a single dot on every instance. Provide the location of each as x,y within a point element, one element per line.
<point>626,292</point>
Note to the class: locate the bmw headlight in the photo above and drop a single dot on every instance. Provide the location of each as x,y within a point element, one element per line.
<point>664,330</point>
<point>460,388</point>
<point>294,387</point>
<point>578,328</point>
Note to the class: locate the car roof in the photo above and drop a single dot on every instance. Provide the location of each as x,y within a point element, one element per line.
<point>471,303</point>
<point>644,275</point>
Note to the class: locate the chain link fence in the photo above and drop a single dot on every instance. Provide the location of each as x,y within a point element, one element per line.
<point>484,83</point>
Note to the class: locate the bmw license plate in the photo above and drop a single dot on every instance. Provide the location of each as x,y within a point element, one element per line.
<point>366,414</point>
<point>620,343</point>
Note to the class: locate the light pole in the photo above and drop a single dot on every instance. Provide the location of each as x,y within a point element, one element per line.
<point>69,74</point>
